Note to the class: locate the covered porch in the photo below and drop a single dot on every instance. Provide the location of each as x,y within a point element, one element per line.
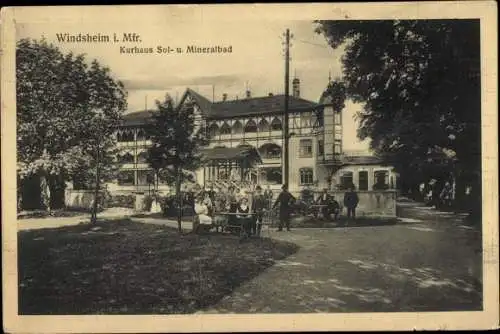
<point>224,166</point>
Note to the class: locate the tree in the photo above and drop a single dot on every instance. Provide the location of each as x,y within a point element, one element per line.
<point>64,108</point>
<point>420,86</point>
<point>176,141</point>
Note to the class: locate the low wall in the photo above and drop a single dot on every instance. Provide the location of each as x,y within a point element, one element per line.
<point>79,199</point>
<point>372,203</point>
<point>380,203</point>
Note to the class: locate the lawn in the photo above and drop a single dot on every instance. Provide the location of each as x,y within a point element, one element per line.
<point>122,267</point>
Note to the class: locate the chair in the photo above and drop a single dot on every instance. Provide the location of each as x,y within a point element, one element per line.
<point>268,220</point>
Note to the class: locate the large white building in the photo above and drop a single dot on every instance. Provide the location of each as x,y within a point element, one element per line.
<point>317,154</point>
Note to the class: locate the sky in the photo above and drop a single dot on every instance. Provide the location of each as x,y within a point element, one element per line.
<point>257,59</point>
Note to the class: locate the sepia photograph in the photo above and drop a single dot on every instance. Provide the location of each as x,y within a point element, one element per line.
<point>187,165</point>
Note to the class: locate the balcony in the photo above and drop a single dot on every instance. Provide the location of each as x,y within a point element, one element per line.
<point>334,159</point>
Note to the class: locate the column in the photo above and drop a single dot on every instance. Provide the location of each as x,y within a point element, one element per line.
<point>355,177</point>
<point>371,178</point>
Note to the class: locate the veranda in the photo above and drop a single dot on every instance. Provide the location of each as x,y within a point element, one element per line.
<point>237,166</point>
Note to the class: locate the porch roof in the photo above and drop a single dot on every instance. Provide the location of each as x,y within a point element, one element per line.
<point>232,153</point>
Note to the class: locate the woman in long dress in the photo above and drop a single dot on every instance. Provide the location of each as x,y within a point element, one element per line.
<point>201,210</point>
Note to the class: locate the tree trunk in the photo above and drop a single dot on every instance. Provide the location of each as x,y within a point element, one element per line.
<point>45,193</point>
<point>56,186</point>
<point>179,199</point>
<point>93,218</point>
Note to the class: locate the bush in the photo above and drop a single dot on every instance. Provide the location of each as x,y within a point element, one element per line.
<point>122,201</point>
<point>147,202</point>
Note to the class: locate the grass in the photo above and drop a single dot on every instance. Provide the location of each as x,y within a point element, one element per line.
<point>122,267</point>
<point>54,213</point>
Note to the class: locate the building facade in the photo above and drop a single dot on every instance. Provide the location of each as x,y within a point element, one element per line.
<point>316,152</point>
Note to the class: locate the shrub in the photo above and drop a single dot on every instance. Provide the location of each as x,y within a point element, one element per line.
<point>147,202</point>
<point>122,201</point>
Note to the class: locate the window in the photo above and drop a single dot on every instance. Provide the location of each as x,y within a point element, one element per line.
<point>276,125</point>
<point>338,118</point>
<point>270,151</point>
<point>225,129</point>
<point>305,120</point>
<point>126,136</point>
<point>271,175</point>
<point>250,127</point>
<point>346,180</point>
<point>381,180</point>
<point>142,157</point>
<point>306,176</point>
<point>321,147</point>
<point>363,180</point>
<point>319,118</point>
<point>126,178</point>
<point>338,147</point>
<point>263,126</point>
<point>237,127</point>
<point>126,158</point>
<point>141,134</point>
<point>213,130</point>
<point>145,177</point>
<point>305,148</point>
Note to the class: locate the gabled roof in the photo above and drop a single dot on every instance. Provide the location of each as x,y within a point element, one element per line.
<point>325,99</point>
<point>203,102</point>
<point>229,109</point>
<point>137,118</point>
<point>232,153</point>
<point>258,105</point>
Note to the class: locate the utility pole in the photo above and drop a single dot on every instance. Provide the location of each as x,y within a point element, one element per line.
<point>286,135</point>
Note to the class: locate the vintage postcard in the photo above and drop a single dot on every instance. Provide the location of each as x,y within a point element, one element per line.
<point>233,168</point>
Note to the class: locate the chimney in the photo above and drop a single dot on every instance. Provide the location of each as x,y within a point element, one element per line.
<point>296,87</point>
<point>224,97</point>
<point>248,94</point>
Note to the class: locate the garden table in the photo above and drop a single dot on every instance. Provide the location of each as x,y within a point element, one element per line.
<point>249,215</point>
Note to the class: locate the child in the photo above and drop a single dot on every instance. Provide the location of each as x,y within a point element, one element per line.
<point>243,216</point>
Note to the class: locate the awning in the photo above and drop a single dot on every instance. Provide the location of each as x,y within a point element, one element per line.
<point>247,153</point>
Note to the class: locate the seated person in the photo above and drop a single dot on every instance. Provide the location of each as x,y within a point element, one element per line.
<point>334,208</point>
<point>207,200</point>
<point>325,200</point>
<point>203,219</point>
<point>219,206</point>
<point>243,216</point>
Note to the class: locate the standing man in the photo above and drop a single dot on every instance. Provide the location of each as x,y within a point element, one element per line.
<point>259,205</point>
<point>268,195</point>
<point>211,193</point>
<point>285,201</point>
<point>351,201</point>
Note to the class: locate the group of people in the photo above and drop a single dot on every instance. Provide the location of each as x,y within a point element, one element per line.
<point>432,194</point>
<point>209,203</point>
<point>238,211</point>
<point>330,206</point>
